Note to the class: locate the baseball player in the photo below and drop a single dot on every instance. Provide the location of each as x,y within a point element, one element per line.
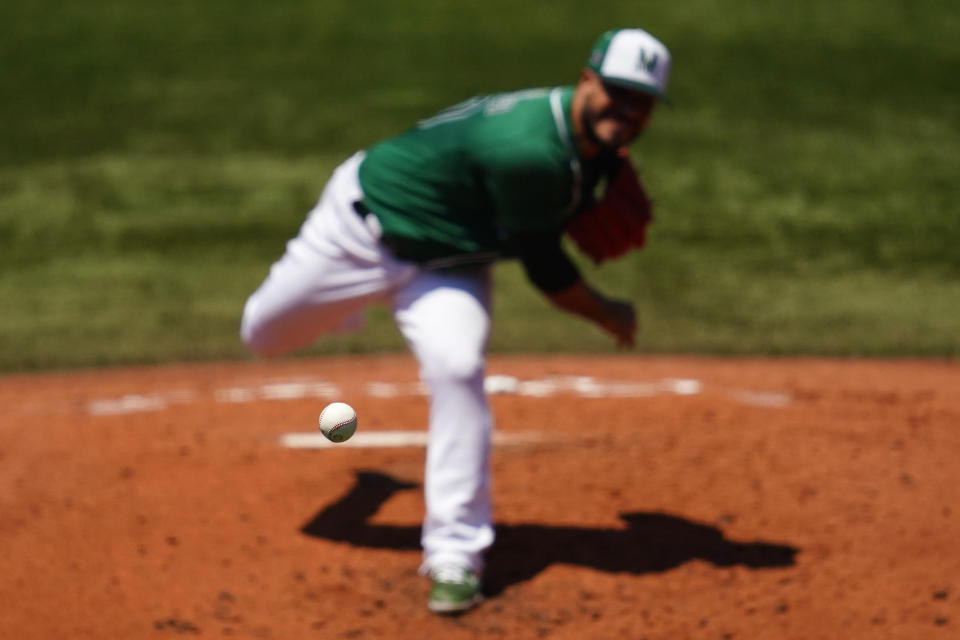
<point>415,222</point>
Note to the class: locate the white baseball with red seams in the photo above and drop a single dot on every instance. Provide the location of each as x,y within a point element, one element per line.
<point>338,421</point>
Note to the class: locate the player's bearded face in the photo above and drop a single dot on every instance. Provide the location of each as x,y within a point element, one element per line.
<point>614,116</point>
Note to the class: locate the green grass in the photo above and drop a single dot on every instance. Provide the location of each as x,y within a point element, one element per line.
<point>154,158</point>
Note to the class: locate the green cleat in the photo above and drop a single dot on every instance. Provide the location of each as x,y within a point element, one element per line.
<point>455,589</point>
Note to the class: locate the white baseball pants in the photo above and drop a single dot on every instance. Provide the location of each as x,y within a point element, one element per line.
<point>330,273</point>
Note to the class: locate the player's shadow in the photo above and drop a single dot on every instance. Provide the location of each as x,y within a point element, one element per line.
<point>651,542</point>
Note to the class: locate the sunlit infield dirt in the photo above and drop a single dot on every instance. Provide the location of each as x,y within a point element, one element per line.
<point>635,497</point>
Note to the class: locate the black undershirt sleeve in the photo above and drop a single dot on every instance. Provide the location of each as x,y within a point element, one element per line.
<point>545,262</point>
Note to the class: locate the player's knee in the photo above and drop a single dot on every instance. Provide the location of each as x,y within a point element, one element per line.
<point>256,336</point>
<point>454,364</point>
<point>258,342</point>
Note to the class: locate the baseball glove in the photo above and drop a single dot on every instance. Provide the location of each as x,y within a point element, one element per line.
<point>617,223</point>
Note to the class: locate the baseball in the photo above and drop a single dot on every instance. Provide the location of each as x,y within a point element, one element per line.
<point>338,421</point>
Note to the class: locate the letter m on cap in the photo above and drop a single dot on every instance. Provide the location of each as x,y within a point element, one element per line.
<point>647,60</point>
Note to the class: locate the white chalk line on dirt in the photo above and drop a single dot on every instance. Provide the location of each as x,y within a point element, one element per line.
<point>386,439</point>
<point>549,386</point>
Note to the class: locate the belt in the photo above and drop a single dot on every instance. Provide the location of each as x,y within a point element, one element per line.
<point>425,253</point>
<point>362,210</point>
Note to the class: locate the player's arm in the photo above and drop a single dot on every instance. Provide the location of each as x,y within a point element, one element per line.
<point>528,194</point>
<point>617,317</point>
<point>550,270</point>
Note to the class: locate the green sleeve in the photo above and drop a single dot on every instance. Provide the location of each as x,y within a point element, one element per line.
<point>530,191</point>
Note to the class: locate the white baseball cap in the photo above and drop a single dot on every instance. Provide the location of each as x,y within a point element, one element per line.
<point>632,58</point>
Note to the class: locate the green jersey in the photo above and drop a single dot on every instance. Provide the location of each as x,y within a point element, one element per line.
<point>458,185</point>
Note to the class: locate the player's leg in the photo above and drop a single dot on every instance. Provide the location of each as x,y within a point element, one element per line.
<point>445,317</point>
<point>331,271</point>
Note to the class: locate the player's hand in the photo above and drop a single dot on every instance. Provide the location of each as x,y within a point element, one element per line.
<point>616,317</point>
<point>620,321</point>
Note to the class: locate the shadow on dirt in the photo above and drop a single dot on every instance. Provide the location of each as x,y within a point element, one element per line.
<point>651,542</point>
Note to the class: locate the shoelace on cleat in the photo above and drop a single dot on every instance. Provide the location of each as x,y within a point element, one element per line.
<point>451,573</point>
